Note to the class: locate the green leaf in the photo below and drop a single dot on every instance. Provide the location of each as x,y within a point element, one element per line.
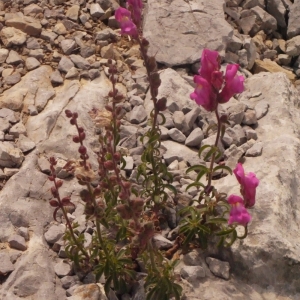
<point>163,119</point>
<point>197,184</point>
<point>210,152</point>
<point>197,168</point>
<point>203,148</point>
<point>171,188</point>
<point>107,285</point>
<point>216,221</point>
<point>225,232</point>
<point>222,168</point>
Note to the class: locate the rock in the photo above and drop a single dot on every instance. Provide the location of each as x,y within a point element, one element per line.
<point>72,12</point>
<point>192,273</point>
<point>293,46</point>
<point>56,78</point>
<point>62,269</point>
<point>94,73</point>
<point>31,63</point>
<point>235,44</point>
<point>255,150</point>
<point>43,95</point>
<point>176,135</point>
<point>48,36</point>
<point>294,15</point>
<point>268,22</point>
<point>10,156</point>
<point>65,64</point>
<point>195,138</point>
<point>237,134</point>
<point>68,46</point>
<point>248,25</point>
<point>80,62</point>
<point>138,115</point>
<point>187,35</point>
<point>9,115</point>
<point>278,10</point>
<point>252,3</point>
<point>91,291</point>
<point>69,281</point>
<point>17,129</point>
<point>250,117</point>
<point>72,73</point>
<point>13,58</point>
<point>17,242</point>
<point>12,37</point>
<point>32,9</point>
<point>54,233</point>
<point>60,29</point>
<point>218,268</point>
<point>251,52</point>
<point>270,66</point>
<point>3,55</point>
<point>261,109</point>
<point>161,243</point>
<point>190,118</point>
<point>4,124</point>
<point>5,265</point>
<point>13,78</point>
<point>25,144</point>
<point>236,112</point>
<point>8,172</point>
<point>23,231</point>
<point>96,11</point>
<point>178,119</point>
<point>28,25</point>
<point>250,133</point>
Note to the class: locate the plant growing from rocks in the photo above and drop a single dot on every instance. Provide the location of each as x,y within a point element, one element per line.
<point>128,216</point>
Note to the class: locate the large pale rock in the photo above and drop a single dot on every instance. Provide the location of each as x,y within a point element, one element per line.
<point>12,37</point>
<point>269,256</point>
<point>294,16</point>
<point>175,89</point>
<point>293,46</point>
<point>267,65</point>
<point>15,97</point>
<point>29,25</point>
<point>179,30</point>
<point>277,9</point>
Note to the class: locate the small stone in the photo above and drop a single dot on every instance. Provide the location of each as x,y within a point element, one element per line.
<point>195,138</point>
<point>54,233</point>
<point>69,281</point>
<point>96,11</point>
<point>25,144</point>
<point>250,133</point>
<point>62,269</point>
<point>12,37</point>
<point>60,29</point>
<point>32,110</point>
<point>17,129</point>
<point>236,113</point>
<point>56,78</point>
<point>9,172</point>
<point>10,156</point>
<point>5,264</point>
<point>255,150</point>
<point>218,268</point>
<point>31,63</point>
<point>13,78</point>
<point>94,73</point>
<point>68,46</point>
<point>65,64</point>
<point>138,115</point>
<point>80,62</point>
<point>192,273</point>
<point>237,134</point>
<point>23,231</point>
<point>178,119</point>
<point>161,242</point>
<point>72,13</point>
<point>176,135</point>
<point>13,58</point>
<point>261,109</point>
<point>3,55</point>
<point>250,117</point>
<point>17,242</point>
<point>72,73</point>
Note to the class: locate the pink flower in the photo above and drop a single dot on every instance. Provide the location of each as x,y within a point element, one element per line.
<point>123,16</point>
<point>248,184</point>
<point>209,64</point>
<point>136,7</point>
<point>217,79</point>
<point>238,212</point>
<point>203,94</point>
<point>234,83</point>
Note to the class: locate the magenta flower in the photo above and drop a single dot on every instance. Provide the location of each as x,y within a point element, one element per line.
<point>248,184</point>
<point>123,16</point>
<point>203,94</point>
<point>238,213</point>
<point>234,84</point>
<point>136,7</point>
<point>209,64</point>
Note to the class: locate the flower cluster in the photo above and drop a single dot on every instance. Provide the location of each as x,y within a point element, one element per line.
<point>130,19</point>
<point>210,81</point>
<point>249,183</point>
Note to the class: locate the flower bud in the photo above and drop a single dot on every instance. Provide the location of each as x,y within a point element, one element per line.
<point>109,165</point>
<point>126,184</point>
<point>68,113</point>
<point>108,107</point>
<point>75,115</point>
<point>223,118</point>
<point>97,191</point>
<point>161,104</point>
<point>124,211</point>
<point>54,191</point>
<point>82,149</point>
<point>54,203</point>
<point>76,139</point>
<point>59,183</point>
<point>82,135</point>
<point>117,156</point>
<point>73,121</point>
<point>51,178</point>
<point>65,201</point>
<point>80,129</point>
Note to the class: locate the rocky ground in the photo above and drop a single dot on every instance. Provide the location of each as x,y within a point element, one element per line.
<point>54,57</point>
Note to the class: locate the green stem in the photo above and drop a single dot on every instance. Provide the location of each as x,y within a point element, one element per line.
<point>210,174</point>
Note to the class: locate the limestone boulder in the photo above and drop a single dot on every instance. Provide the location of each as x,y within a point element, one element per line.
<point>179,30</point>
<point>29,25</point>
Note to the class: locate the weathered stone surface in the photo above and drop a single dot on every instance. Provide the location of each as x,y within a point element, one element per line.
<point>176,135</point>
<point>195,138</point>
<point>32,63</point>
<point>138,114</point>
<point>54,233</point>
<point>26,24</point>
<point>270,66</point>
<point>5,265</point>
<point>294,15</point>
<point>10,156</point>
<point>89,292</point>
<point>218,268</point>
<point>12,37</point>
<point>62,269</point>
<point>278,10</point>
<point>17,242</point>
<point>267,22</point>
<point>174,30</point>
<point>293,46</point>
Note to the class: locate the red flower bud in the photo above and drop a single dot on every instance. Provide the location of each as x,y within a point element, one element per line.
<point>54,191</point>
<point>75,115</point>
<point>109,165</point>
<point>126,184</point>
<point>117,156</point>
<point>54,203</point>
<point>66,201</point>
<point>97,191</point>
<point>76,139</point>
<point>82,149</point>
<point>73,121</point>
<point>59,183</point>
<point>108,107</point>
<point>82,135</point>
<point>68,113</point>
<point>124,211</point>
<point>51,178</point>
<point>80,129</point>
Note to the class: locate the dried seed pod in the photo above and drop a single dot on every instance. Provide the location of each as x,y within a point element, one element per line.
<point>54,203</point>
